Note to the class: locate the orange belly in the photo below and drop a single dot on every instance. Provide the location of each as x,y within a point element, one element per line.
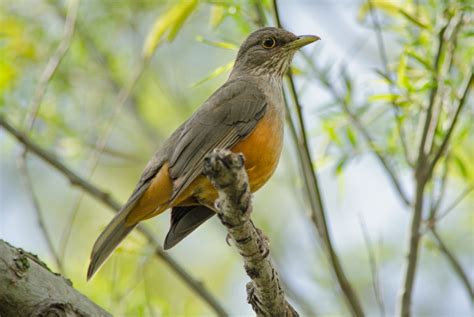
<point>262,149</point>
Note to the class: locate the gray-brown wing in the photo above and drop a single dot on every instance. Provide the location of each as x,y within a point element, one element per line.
<point>228,116</point>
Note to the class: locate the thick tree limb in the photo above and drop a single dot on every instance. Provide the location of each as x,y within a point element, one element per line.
<point>29,288</point>
<point>226,172</point>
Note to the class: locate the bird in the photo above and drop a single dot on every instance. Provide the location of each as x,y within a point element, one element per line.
<point>245,115</point>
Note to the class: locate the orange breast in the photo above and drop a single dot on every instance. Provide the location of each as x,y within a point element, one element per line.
<point>262,149</point>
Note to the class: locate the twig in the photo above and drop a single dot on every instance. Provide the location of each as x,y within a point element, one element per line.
<point>28,184</point>
<point>384,58</point>
<point>455,264</point>
<point>432,222</point>
<point>362,130</point>
<point>227,173</point>
<point>123,96</point>
<point>422,151</point>
<point>449,39</point>
<point>423,174</point>
<point>454,203</point>
<point>53,64</point>
<point>464,94</point>
<point>104,60</point>
<point>314,196</point>
<point>373,266</point>
<point>106,199</point>
<point>46,76</point>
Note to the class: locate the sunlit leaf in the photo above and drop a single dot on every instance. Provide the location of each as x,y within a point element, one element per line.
<point>215,73</point>
<point>421,59</point>
<point>217,15</point>
<point>389,7</point>
<point>168,24</point>
<point>461,166</point>
<point>7,75</point>
<point>296,70</point>
<point>331,132</point>
<point>415,19</point>
<point>220,44</point>
<point>392,8</point>
<point>402,79</point>
<point>384,97</point>
<point>341,162</point>
<point>351,136</point>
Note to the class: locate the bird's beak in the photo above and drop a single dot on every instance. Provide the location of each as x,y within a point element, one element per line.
<point>303,40</point>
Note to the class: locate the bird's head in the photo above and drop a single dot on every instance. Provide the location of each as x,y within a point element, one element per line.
<point>269,51</point>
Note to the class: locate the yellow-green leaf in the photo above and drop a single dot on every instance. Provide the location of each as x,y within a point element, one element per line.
<point>383,97</point>
<point>217,15</point>
<point>296,71</point>
<point>220,44</point>
<point>402,79</point>
<point>215,73</point>
<point>422,60</point>
<point>389,7</point>
<point>168,24</point>
<point>393,8</point>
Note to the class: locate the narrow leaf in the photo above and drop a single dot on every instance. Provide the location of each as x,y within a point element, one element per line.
<point>215,73</point>
<point>220,44</point>
<point>168,24</point>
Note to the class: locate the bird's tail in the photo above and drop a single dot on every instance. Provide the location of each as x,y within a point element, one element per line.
<point>108,240</point>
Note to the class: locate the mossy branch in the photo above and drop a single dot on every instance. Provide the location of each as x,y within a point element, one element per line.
<point>29,288</point>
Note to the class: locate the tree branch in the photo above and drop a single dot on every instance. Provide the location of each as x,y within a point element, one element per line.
<point>29,288</point>
<point>106,199</point>
<point>318,214</point>
<point>454,203</point>
<point>384,58</point>
<point>374,270</point>
<point>362,130</point>
<point>424,169</point>
<point>432,222</point>
<point>464,95</point>
<point>46,76</point>
<point>454,262</point>
<point>227,173</point>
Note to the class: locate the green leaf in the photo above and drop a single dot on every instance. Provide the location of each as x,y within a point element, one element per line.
<point>340,165</point>
<point>384,97</point>
<point>215,73</point>
<point>167,25</point>
<point>415,20</point>
<point>402,79</point>
<point>331,132</point>
<point>217,15</point>
<point>389,7</point>
<point>220,44</point>
<point>422,60</point>
<point>393,8</point>
<point>461,166</point>
<point>296,70</point>
<point>351,136</point>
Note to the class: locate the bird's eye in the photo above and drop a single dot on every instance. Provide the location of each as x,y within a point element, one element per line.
<point>269,42</point>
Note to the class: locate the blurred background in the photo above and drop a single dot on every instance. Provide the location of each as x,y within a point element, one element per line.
<point>100,84</point>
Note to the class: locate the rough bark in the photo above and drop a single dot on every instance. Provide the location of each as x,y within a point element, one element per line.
<point>226,172</point>
<point>29,288</point>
